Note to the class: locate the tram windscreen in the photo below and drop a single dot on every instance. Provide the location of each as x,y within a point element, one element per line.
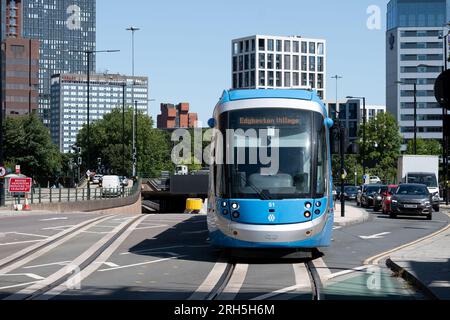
<point>274,153</point>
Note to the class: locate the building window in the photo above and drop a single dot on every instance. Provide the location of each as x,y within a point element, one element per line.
<point>241,47</point>
<point>304,63</point>
<point>312,63</point>
<point>262,60</point>
<point>253,45</point>
<point>241,63</point>
<point>320,66</point>
<point>320,81</point>
<point>312,80</point>
<point>312,47</point>
<point>247,45</point>
<point>304,79</point>
<point>262,78</point>
<point>296,47</point>
<point>252,61</point>
<point>261,44</point>
<point>287,79</point>
<point>295,79</point>
<point>296,65</point>
<point>235,64</point>
<point>278,61</point>
<point>240,80</point>
<point>270,78</point>
<point>279,74</point>
<point>320,48</point>
<point>279,45</point>
<point>287,62</point>
<point>270,61</point>
<point>287,46</point>
<point>246,62</point>
<point>304,47</point>
<point>270,45</point>
<point>252,79</point>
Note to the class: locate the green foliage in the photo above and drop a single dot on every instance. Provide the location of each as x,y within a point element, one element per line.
<point>153,145</point>
<point>28,144</point>
<point>425,147</point>
<point>352,163</point>
<point>382,148</point>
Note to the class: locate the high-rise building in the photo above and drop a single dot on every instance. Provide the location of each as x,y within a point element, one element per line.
<point>270,62</point>
<point>20,62</point>
<point>372,111</point>
<point>69,102</point>
<point>65,29</point>
<point>176,116</point>
<point>415,55</point>
<point>349,114</point>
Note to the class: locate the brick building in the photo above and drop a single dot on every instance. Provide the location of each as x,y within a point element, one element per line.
<point>176,116</point>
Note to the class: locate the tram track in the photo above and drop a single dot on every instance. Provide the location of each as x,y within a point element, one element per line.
<point>73,271</point>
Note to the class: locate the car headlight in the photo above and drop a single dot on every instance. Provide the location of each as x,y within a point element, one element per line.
<point>426,203</point>
<point>379,198</point>
<point>394,201</point>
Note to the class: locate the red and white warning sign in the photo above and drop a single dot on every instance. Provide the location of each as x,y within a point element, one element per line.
<point>20,185</point>
<point>2,172</point>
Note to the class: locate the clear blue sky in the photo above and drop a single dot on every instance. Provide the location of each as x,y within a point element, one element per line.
<point>184,47</point>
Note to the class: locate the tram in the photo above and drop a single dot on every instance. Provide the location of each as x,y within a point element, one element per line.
<point>270,181</point>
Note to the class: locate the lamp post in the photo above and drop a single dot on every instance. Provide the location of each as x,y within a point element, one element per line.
<point>2,185</point>
<point>364,131</point>
<point>444,38</point>
<point>133,30</point>
<point>89,54</point>
<point>124,92</point>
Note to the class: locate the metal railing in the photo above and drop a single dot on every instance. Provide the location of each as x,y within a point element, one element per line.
<point>58,195</point>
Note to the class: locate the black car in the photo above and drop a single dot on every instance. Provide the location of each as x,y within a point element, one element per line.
<point>350,192</point>
<point>412,199</point>
<point>369,195</point>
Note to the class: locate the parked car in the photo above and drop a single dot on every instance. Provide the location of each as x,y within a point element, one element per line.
<point>111,186</point>
<point>387,198</point>
<point>374,180</point>
<point>412,199</point>
<point>350,192</point>
<point>378,198</point>
<point>369,194</point>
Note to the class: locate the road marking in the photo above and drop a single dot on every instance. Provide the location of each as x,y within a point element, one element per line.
<point>19,242</point>
<point>375,236</point>
<point>109,264</point>
<point>322,269</point>
<point>235,284</point>
<point>27,234</point>
<point>156,226</point>
<point>29,275</point>
<point>62,263</point>
<point>140,264</point>
<point>337,228</point>
<point>345,272</point>
<point>54,219</point>
<point>60,228</point>
<point>150,250</point>
<point>18,285</point>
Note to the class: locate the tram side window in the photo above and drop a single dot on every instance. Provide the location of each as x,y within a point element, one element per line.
<point>321,158</point>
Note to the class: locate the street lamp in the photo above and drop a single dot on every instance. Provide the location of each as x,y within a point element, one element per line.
<point>2,186</point>
<point>364,131</point>
<point>89,54</point>
<point>133,30</point>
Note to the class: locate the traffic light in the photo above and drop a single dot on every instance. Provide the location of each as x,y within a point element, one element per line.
<point>447,125</point>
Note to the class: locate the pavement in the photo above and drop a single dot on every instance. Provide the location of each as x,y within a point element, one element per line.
<point>426,264</point>
<point>353,215</point>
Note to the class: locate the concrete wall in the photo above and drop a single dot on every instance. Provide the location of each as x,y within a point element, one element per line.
<point>131,204</point>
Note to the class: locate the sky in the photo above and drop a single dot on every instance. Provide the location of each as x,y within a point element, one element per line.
<point>184,46</point>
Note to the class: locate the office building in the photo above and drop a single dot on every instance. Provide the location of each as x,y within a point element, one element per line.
<point>349,113</point>
<point>65,29</point>
<point>21,76</point>
<point>415,55</point>
<point>176,116</point>
<point>270,62</point>
<point>69,102</point>
<point>372,111</point>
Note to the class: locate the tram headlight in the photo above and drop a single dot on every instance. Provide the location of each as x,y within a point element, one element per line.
<point>236,215</point>
<point>225,212</point>
<point>307,214</point>
<point>224,204</point>
<point>317,212</point>
<point>235,206</point>
<point>308,205</point>
<point>318,204</point>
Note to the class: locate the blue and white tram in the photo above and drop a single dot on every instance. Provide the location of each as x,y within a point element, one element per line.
<point>271,182</point>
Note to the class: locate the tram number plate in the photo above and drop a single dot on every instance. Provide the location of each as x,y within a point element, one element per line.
<point>410,206</point>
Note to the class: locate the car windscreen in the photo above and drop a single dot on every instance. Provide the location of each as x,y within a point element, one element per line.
<point>372,189</point>
<point>351,189</point>
<point>412,190</point>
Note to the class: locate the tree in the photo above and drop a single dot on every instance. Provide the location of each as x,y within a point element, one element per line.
<point>153,145</point>
<point>425,147</point>
<point>382,147</point>
<point>28,144</point>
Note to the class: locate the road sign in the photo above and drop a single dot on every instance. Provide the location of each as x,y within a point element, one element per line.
<point>442,89</point>
<point>88,173</point>
<point>2,172</point>
<point>18,169</point>
<point>20,185</point>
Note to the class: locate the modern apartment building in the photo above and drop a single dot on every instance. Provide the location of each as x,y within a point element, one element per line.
<point>415,55</point>
<point>372,111</point>
<point>176,116</point>
<point>69,102</point>
<point>65,29</point>
<point>350,113</point>
<point>271,62</point>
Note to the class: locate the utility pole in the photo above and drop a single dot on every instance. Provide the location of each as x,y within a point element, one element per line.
<point>2,181</point>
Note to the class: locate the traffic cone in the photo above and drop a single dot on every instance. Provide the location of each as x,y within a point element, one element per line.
<point>27,206</point>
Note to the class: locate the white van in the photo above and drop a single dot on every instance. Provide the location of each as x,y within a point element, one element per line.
<point>181,171</point>
<point>111,186</point>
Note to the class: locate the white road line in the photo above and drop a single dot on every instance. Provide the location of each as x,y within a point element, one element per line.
<point>345,272</point>
<point>109,264</point>
<point>29,275</point>
<point>150,250</point>
<point>204,290</point>
<point>19,242</point>
<point>276,293</point>
<point>27,234</point>
<point>18,285</point>
<point>235,284</point>
<point>375,236</point>
<point>62,263</point>
<point>60,228</point>
<point>54,219</point>
<point>140,264</point>
<point>337,228</point>
<point>156,226</point>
